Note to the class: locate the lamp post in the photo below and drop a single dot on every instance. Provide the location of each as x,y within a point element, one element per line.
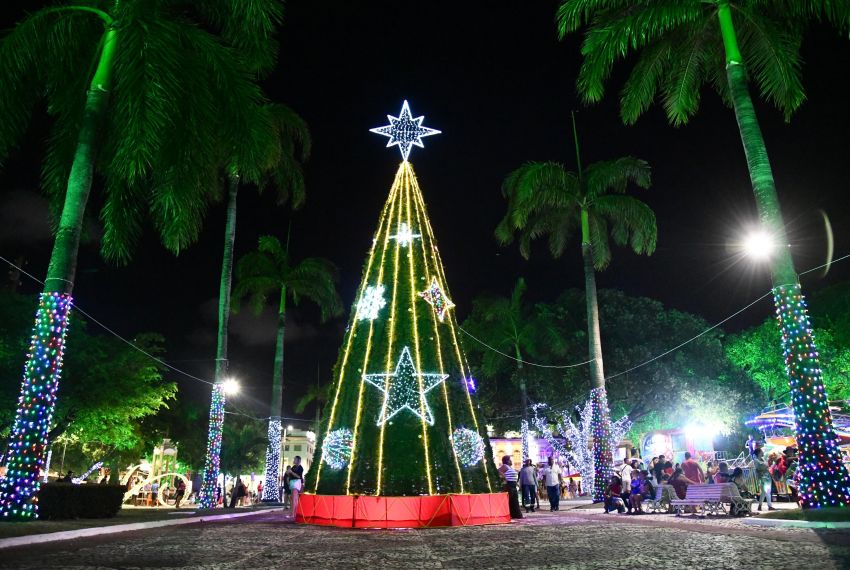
<point>213,457</point>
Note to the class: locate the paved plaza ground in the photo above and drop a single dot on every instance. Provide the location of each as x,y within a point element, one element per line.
<point>580,539</point>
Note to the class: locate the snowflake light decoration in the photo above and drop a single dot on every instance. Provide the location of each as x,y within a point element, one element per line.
<point>405,389</point>
<point>371,302</point>
<point>405,235</point>
<point>405,131</point>
<point>468,446</point>
<point>435,297</point>
<point>336,449</point>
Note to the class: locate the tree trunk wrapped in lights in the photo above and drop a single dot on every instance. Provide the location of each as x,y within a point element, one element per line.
<point>825,481</point>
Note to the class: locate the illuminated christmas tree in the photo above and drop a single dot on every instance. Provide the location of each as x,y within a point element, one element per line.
<point>403,418</point>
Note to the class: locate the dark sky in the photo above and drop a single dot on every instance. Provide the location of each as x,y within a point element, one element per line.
<point>496,81</point>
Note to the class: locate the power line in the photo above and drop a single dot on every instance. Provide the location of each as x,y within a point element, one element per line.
<point>481,342</point>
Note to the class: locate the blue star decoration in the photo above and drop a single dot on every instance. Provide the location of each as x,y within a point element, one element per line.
<point>405,389</point>
<point>405,131</point>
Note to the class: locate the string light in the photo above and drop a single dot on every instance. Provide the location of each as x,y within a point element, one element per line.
<point>524,437</point>
<point>404,131</point>
<point>471,386</point>
<point>271,480</point>
<point>405,236</point>
<point>405,389</point>
<point>435,297</point>
<point>26,451</point>
<point>824,479</point>
<point>468,446</point>
<point>336,449</point>
<point>371,302</point>
<point>84,476</point>
<point>209,485</point>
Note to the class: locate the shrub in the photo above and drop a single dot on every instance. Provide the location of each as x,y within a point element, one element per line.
<point>69,501</point>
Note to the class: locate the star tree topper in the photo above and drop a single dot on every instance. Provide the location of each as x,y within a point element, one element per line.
<point>404,131</point>
<point>405,389</point>
<point>435,297</point>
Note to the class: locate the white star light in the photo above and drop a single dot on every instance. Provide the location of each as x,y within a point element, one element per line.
<point>405,389</point>
<point>371,302</point>
<point>405,235</point>
<point>404,131</point>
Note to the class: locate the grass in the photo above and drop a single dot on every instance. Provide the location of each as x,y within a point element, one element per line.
<point>834,514</point>
<point>124,516</point>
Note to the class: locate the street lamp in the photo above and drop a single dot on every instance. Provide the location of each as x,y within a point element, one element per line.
<point>759,245</point>
<point>230,386</point>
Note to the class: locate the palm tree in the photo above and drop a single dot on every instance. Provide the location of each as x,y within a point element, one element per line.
<point>284,142</point>
<point>682,45</point>
<point>137,91</point>
<point>268,272</point>
<point>544,198</point>
<point>512,326</point>
<point>319,393</point>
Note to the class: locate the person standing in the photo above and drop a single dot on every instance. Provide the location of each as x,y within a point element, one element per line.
<point>552,480</point>
<point>658,468</point>
<point>296,480</point>
<point>763,477</point>
<point>237,492</point>
<point>692,469</point>
<point>510,476</point>
<point>528,484</point>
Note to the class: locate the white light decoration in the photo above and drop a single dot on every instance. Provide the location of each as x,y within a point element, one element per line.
<point>336,449</point>
<point>468,446</point>
<point>271,479</point>
<point>405,235</point>
<point>371,302</point>
<point>405,131</point>
<point>84,476</point>
<point>579,436</point>
<point>526,453</point>
<point>405,389</point>
<point>435,297</point>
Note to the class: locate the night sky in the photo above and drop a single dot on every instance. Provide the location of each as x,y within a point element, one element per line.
<point>495,79</point>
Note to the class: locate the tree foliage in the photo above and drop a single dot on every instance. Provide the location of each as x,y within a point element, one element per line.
<point>108,388</point>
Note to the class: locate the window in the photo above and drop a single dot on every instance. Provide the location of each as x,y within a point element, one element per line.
<point>296,448</point>
<point>286,448</point>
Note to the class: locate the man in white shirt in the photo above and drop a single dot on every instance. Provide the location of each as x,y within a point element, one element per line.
<point>552,480</point>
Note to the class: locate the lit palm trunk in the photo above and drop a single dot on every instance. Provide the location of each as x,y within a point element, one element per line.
<point>271,489</point>
<point>601,421</point>
<point>216,425</point>
<point>28,443</point>
<point>825,481</point>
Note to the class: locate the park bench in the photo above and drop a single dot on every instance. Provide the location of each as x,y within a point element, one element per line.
<point>711,498</point>
<point>661,501</point>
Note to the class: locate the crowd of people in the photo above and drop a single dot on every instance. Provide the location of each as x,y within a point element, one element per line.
<point>634,482</point>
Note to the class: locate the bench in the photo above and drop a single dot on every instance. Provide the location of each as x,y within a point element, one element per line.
<point>711,498</point>
<point>661,502</point>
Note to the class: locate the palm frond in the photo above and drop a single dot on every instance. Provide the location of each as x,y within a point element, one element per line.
<point>681,89</point>
<point>599,242</point>
<point>632,222</point>
<point>771,51</point>
<point>615,175</point>
<point>642,85</point>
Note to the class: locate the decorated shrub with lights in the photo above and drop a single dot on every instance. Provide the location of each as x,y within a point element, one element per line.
<point>402,419</point>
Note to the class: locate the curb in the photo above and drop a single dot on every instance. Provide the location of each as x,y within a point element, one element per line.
<point>114,529</point>
<point>798,524</point>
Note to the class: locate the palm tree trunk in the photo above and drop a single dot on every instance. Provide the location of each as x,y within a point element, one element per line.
<point>523,396</point>
<point>825,481</point>
<point>601,420</point>
<point>28,442</point>
<point>270,487</point>
<point>217,403</point>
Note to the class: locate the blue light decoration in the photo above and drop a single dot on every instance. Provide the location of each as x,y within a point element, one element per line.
<point>27,445</point>
<point>271,481</point>
<point>207,496</point>
<point>824,480</point>
<point>471,385</point>
<point>405,131</point>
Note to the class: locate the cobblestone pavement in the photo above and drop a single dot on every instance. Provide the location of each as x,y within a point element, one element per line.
<point>560,540</point>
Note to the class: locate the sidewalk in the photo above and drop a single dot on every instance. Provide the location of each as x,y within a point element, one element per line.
<point>128,519</point>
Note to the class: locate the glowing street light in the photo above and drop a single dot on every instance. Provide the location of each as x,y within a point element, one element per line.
<point>759,245</point>
<point>230,386</point>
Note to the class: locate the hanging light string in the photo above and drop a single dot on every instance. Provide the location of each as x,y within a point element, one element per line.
<point>555,366</point>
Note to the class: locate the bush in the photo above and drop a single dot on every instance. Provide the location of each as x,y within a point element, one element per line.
<point>69,501</point>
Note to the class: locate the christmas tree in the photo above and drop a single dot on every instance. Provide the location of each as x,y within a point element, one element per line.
<point>403,417</point>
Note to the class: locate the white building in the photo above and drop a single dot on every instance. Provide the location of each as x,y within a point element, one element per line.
<point>298,442</point>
